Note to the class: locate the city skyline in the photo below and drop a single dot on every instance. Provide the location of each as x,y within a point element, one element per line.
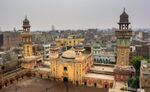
<point>72,14</point>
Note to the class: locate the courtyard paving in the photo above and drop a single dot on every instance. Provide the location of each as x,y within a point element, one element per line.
<point>45,85</point>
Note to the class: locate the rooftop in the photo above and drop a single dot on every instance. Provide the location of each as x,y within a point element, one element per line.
<point>102,68</point>
<point>43,69</point>
<point>99,76</point>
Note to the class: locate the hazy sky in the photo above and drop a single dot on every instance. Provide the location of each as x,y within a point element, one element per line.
<point>72,14</point>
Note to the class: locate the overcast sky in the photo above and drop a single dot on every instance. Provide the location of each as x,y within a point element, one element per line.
<point>72,14</point>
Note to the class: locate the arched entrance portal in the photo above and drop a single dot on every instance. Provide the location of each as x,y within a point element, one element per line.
<point>65,79</point>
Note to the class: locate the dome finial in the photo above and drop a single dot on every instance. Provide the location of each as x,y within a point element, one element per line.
<point>26,17</point>
<point>124,9</point>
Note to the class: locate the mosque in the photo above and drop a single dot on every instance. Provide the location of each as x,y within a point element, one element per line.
<point>75,65</point>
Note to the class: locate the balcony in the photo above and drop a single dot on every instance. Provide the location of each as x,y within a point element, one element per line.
<point>123,34</point>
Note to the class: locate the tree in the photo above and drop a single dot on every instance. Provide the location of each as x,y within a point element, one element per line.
<point>133,82</point>
<point>136,62</point>
<point>130,80</point>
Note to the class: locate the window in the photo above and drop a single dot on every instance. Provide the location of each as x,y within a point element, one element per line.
<point>85,83</point>
<point>94,59</point>
<point>95,84</point>
<point>77,82</point>
<point>2,68</point>
<point>28,54</point>
<point>47,56</point>
<point>47,52</point>
<point>105,85</point>
<point>65,68</point>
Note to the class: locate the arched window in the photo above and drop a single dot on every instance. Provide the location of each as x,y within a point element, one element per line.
<point>28,51</point>
<point>106,86</point>
<point>3,67</point>
<point>65,68</point>
<point>94,60</point>
<point>95,84</point>
<point>85,83</point>
<point>100,60</point>
<point>103,61</point>
<point>106,61</point>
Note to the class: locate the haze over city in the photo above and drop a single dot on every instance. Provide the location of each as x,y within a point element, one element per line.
<point>72,14</point>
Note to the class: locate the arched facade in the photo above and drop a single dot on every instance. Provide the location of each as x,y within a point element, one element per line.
<point>72,65</point>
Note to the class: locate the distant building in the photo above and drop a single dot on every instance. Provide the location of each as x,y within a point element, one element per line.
<point>9,61</point>
<point>46,52</point>
<point>72,40</point>
<point>53,28</point>
<point>145,75</point>
<point>41,37</point>
<point>102,56</point>
<point>138,42</point>
<point>9,40</point>
<point>142,50</point>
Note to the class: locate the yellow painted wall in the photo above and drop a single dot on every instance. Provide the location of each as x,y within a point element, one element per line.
<point>69,73</point>
<point>68,41</point>
<point>28,50</point>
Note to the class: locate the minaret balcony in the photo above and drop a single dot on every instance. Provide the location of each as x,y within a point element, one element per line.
<point>26,34</point>
<point>123,34</point>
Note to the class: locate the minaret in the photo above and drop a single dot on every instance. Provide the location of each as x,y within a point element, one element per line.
<point>29,60</point>
<point>123,40</point>
<point>53,60</point>
<point>27,38</point>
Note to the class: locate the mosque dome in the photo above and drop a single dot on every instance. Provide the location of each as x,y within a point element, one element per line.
<point>69,54</point>
<point>124,15</point>
<point>97,45</point>
<point>26,20</point>
<point>124,18</point>
<point>26,23</point>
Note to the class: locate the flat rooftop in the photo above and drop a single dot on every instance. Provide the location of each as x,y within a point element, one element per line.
<point>99,76</point>
<point>102,68</point>
<point>43,69</point>
<point>45,85</point>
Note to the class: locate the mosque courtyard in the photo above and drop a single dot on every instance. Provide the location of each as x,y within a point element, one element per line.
<point>45,85</point>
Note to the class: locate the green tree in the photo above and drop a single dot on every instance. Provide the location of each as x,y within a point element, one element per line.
<point>130,80</point>
<point>135,83</point>
<point>136,62</point>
